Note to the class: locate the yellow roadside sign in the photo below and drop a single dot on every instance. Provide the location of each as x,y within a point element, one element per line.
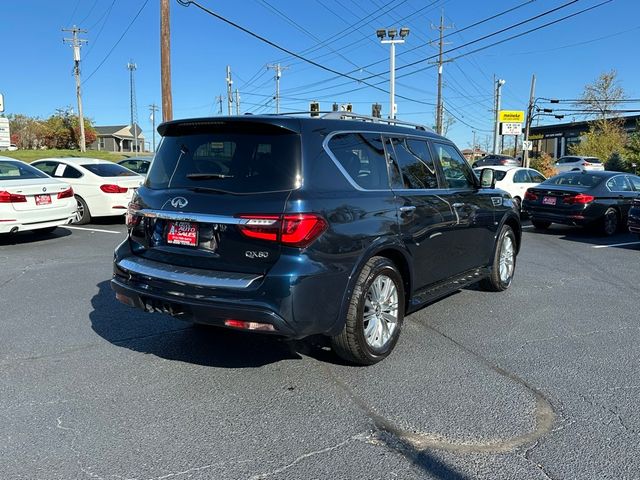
<point>515,116</point>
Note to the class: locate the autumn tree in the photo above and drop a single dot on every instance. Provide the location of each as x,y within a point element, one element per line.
<point>601,97</point>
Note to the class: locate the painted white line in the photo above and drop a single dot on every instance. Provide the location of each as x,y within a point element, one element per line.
<point>616,245</point>
<point>92,229</point>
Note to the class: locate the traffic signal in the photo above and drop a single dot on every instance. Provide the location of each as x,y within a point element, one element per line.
<point>376,110</point>
<point>335,107</point>
<point>314,108</point>
<point>349,108</point>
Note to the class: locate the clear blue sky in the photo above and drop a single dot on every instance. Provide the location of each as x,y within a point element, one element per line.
<point>36,73</point>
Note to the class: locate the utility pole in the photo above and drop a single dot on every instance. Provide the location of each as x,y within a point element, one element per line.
<point>392,33</point>
<point>496,132</point>
<point>229,91</point>
<point>278,68</point>
<point>439,104</point>
<point>473,147</point>
<point>76,43</point>
<point>165,62</point>
<point>219,100</point>
<point>237,102</point>
<point>527,125</point>
<point>134,109</point>
<point>153,108</point>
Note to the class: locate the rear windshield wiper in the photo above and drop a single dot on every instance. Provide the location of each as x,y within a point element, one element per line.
<point>210,190</point>
<point>207,176</point>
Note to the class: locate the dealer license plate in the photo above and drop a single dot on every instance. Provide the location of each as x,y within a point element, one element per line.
<point>43,199</point>
<point>182,233</point>
<point>549,200</point>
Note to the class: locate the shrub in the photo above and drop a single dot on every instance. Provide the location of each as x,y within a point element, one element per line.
<point>545,164</point>
<point>615,163</point>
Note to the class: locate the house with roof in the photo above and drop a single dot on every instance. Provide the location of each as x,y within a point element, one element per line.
<point>118,138</point>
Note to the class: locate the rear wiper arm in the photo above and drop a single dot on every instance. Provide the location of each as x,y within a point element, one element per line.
<point>210,190</point>
<point>207,176</point>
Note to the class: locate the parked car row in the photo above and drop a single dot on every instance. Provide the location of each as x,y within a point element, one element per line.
<point>56,191</point>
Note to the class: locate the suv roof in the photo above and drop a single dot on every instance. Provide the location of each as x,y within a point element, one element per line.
<point>294,122</point>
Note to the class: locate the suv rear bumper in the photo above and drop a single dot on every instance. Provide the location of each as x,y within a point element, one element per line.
<point>298,298</point>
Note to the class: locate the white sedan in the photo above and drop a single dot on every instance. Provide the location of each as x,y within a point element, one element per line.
<point>515,180</point>
<point>102,188</point>
<point>31,200</point>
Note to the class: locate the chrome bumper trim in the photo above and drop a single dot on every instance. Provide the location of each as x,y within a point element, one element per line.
<point>187,276</point>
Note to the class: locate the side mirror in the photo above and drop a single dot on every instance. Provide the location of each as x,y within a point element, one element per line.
<point>488,178</point>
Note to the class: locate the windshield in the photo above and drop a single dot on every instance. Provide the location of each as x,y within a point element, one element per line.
<point>108,170</point>
<point>575,179</point>
<point>18,171</point>
<point>236,162</point>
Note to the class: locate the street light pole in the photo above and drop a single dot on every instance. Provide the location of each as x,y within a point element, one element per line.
<point>392,33</point>
<point>527,126</point>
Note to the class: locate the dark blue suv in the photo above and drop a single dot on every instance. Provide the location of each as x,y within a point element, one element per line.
<point>293,226</point>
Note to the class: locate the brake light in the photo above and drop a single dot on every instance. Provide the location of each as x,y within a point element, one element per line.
<point>110,188</point>
<point>296,230</point>
<point>528,195</point>
<point>249,325</point>
<point>586,164</point>
<point>68,193</point>
<point>580,199</point>
<point>6,197</point>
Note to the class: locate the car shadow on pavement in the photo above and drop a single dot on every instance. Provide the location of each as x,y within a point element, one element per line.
<point>590,236</point>
<point>32,236</point>
<point>172,339</point>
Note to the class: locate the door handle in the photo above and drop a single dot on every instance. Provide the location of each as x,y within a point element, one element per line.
<point>407,209</point>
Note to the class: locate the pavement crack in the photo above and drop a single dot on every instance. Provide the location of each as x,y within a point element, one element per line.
<point>358,437</point>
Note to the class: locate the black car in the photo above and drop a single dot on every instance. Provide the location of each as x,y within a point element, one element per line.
<point>496,159</point>
<point>588,198</point>
<point>295,226</point>
<point>137,164</point>
<point>634,217</point>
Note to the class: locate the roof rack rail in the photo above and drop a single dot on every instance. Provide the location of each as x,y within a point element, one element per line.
<point>367,118</point>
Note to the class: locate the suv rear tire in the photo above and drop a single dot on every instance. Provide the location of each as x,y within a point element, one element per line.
<point>504,262</point>
<point>374,316</point>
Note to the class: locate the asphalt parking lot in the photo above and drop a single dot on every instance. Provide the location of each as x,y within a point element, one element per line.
<point>537,382</point>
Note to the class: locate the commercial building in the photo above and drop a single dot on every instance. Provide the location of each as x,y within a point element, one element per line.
<point>557,139</point>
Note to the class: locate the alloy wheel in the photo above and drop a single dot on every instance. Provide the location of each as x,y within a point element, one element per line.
<point>380,312</point>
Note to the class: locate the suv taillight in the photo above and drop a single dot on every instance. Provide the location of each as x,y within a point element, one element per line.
<point>131,219</point>
<point>6,197</point>
<point>530,196</point>
<point>580,198</point>
<point>295,230</point>
<point>110,188</point>
<point>68,193</point>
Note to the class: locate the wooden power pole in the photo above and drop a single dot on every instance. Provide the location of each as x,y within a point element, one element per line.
<point>165,62</point>
<point>76,43</point>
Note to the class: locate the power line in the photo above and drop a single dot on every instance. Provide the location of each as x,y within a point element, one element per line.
<point>106,18</point>
<point>117,42</point>
<point>90,12</point>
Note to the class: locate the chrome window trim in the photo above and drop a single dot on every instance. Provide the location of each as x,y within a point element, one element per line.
<point>186,276</point>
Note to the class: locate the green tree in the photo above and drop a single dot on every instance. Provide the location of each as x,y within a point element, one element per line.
<point>604,138</point>
<point>62,130</point>
<point>615,163</point>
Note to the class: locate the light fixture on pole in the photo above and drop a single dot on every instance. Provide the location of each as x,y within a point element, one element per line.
<point>390,36</point>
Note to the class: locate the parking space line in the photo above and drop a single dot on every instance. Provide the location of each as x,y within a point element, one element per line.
<point>93,230</point>
<point>616,245</point>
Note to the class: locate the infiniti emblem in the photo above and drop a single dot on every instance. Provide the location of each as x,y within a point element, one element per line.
<point>179,202</point>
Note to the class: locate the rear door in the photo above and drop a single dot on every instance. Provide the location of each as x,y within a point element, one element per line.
<point>622,192</point>
<point>473,211</point>
<point>425,218</point>
<point>215,195</point>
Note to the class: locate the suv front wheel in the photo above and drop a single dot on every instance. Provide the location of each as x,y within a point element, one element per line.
<point>374,316</point>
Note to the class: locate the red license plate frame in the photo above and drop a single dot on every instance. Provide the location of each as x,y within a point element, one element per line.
<point>553,201</point>
<point>44,199</point>
<point>182,233</point>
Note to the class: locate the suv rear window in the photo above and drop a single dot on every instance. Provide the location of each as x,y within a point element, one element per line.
<point>236,161</point>
<point>108,170</point>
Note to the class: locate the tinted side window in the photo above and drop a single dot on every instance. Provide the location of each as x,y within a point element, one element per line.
<point>70,172</point>
<point>362,157</point>
<point>47,167</point>
<point>521,176</point>
<point>415,163</point>
<point>635,181</point>
<point>457,172</point>
<point>536,177</point>
<point>619,184</point>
